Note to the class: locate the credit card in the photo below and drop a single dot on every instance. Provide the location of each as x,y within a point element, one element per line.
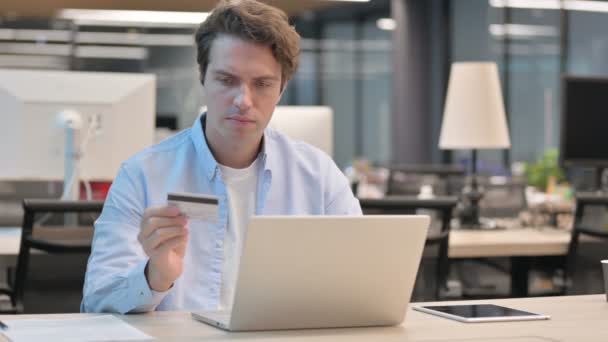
<point>196,206</point>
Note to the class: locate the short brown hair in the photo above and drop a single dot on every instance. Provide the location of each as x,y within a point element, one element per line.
<point>252,21</point>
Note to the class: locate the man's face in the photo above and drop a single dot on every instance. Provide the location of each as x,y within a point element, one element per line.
<point>242,86</point>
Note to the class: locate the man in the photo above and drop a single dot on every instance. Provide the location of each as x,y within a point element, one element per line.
<point>146,256</point>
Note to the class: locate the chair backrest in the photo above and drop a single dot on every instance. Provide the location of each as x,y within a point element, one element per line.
<point>581,226</point>
<point>13,192</point>
<point>403,205</point>
<point>407,179</point>
<point>399,205</point>
<point>52,235</point>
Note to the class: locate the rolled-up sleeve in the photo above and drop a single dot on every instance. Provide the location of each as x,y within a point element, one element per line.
<point>115,280</point>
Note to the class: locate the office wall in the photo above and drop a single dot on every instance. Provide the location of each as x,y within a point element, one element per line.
<point>376,100</point>
<point>411,87</point>
<point>346,63</point>
<point>534,87</point>
<point>588,44</point>
<point>302,89</point>
<point>338,83</point>
<point>179,91</point>
<point>169,53</point>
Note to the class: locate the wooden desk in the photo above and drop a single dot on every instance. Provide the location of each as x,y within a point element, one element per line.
<point>520,245</point>
<point>574,318</point>
<point>508,242</point>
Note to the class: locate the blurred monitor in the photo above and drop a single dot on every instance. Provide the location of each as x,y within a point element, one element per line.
<point>584,121</point>
<point>407,179</point>
<point>32,140</point>
<point>503,200</point>
<point>311,124</point>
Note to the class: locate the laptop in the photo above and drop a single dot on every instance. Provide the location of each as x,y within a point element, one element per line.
<point>299,272</point>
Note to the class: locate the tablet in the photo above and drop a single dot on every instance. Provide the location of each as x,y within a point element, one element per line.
<point>480,313</point>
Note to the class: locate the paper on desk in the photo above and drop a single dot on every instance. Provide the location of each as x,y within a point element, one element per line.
<point>96,328</point>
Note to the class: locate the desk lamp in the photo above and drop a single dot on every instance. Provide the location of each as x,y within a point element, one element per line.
<point>474,118</point>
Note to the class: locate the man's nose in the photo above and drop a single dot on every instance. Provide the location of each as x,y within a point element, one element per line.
<point>243,98</point>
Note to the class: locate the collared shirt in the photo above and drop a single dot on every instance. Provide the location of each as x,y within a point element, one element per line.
<point>295,179</point>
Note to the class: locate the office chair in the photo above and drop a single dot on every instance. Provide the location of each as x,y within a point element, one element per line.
<point>51,239</point>
<point>596,228</point>
<point>499,207</point>
<point>403,205</point>
<point>13,192</point>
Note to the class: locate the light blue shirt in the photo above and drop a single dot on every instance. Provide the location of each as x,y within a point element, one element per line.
<point>295,179</point>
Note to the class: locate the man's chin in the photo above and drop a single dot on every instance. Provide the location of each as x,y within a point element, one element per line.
<point>245,133</point>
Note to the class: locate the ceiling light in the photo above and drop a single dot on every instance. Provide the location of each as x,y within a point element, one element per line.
<point>387,24</point>
<point>141,18</point>
<point>586,6</point>
<point>539,4</point>
<point>516,30</point>
<point>110,52</point>
<point>572,5</point>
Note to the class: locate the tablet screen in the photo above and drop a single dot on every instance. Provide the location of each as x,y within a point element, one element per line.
<point>480,313</point>
<point>479,310</point>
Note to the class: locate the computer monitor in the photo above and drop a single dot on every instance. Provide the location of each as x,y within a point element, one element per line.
<point>311,124</point>
<point>32,139</point>
<point>584,121</point>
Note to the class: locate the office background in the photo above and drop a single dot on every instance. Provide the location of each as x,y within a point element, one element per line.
<point>386,86</point>
<point>382,66</point>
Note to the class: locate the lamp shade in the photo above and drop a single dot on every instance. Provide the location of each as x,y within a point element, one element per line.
<point>474,114</point>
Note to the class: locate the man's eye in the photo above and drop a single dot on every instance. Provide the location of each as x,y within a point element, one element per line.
<point>263,84</point>
<point>226,80</point>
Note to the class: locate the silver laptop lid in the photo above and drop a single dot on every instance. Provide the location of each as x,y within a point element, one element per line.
<point>327,271</point>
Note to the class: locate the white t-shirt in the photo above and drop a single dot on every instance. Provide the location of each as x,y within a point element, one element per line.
<point>241,185</point>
